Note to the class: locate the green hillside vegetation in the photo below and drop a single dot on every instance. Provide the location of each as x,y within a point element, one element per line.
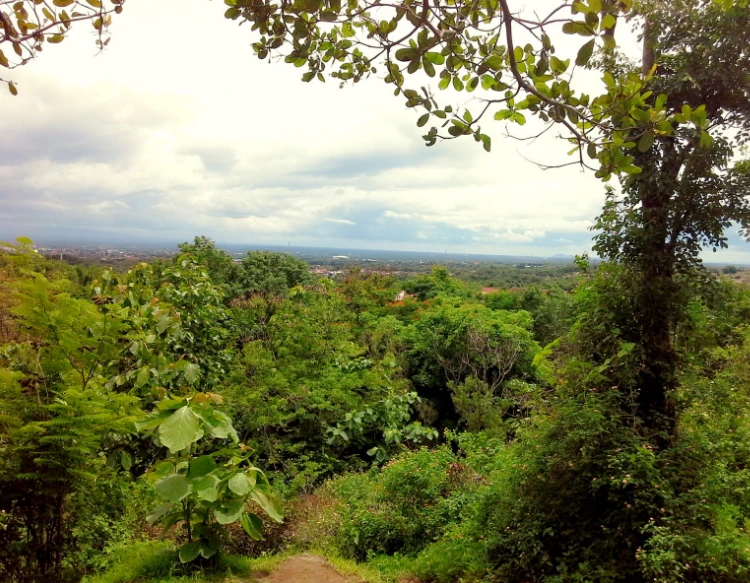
<point>169,422</point>
<point>450,435</point>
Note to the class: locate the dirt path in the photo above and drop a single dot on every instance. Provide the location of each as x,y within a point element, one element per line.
<point>307,569</point>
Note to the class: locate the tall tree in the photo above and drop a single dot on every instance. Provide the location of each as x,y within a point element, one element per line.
<point>690,190</point>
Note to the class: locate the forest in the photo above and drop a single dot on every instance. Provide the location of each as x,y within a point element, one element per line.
<point>204,419</point>
<point>187,418</point>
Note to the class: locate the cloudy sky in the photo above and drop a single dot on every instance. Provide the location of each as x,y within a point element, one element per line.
<point>178,130</point>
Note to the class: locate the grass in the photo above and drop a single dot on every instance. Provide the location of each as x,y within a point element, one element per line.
<point>380,569</point>
<point>154,562</point>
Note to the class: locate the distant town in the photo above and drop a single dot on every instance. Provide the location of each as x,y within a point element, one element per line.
<point>329,262</point>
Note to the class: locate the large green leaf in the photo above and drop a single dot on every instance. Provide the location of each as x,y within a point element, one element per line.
<point>201,466</point>
<point>239,484</point>
<point>230,511</point>
<point>189,551</point>
<point>173,488</point>
<point>180,430</point>
<point>207,550</point>
<point>192,373</point>
<point>253,525</point>
<point>218,423</point>
<point>207,488</point>
<point>153,420</point>
<point>268,504</point>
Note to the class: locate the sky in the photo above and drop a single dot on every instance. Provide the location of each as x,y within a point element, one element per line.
<point>178,130</point>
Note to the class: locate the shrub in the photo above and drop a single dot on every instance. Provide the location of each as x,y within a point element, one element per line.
<point>398,509</point>
<point>453,558</point>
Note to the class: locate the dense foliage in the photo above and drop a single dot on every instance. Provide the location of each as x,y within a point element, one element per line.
<point>445,433</point>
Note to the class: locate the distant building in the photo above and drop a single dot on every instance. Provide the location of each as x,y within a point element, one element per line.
<point>340,257</point>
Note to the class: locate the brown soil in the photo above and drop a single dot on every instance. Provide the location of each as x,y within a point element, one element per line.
<point>307,569</point>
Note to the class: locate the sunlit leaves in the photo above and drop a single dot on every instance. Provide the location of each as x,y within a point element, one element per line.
<point>207,488</point>
<point>180,429</point>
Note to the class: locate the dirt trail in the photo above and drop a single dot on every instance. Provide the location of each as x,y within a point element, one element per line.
<point>307,569</point>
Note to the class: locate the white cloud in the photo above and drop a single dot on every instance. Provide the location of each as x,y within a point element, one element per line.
<point>395,215</point>
<point>512,237</point>
<point>340,221</point>
<point>162,134</point>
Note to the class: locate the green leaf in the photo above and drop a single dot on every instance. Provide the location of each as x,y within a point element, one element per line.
<point>609,21</point>
<point>230,511</point>
<point>253,525</point>
<point>405,55</point>
<point>458,85</point>
<point>585,52</point>
<point>180,430</point>
<point>486,142</point>
<point>201,466</point>
<point>207,488</point>
<point>162,324</point>
<point>142,377</point>
<point>219,425</point>
<point>646,141</point>
<point>208,550</point>
<point>173,488</point>
<point>158,513</point>
<point>126,461</point>
<point>503,114</point>
<point>577,28</point>
<point>625,349</point>
<point>558,66</point>
<point>423,120</point>
<point>435,58</point>
<point>189,551</point>
<point>152,421</point>
<point>239,484</point>
<point>192,373</point>
<point>62,3</point>
<point>268,504</point>
<point>579,7</point>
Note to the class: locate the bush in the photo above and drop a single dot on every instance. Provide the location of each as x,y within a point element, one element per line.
<point>398,509</point>
<point>455,557</point>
